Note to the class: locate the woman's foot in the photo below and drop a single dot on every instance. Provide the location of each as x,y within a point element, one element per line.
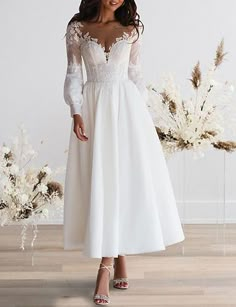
<point>120,280</point>
<point>101,293</point>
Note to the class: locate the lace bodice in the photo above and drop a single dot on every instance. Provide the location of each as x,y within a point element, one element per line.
<point>116,59</point>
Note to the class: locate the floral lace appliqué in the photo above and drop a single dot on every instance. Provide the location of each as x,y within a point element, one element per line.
<point>75,34</point>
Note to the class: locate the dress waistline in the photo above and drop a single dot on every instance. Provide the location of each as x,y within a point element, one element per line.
<point>107,73</point>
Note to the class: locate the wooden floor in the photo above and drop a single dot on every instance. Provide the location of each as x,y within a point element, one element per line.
<point>201,271</point>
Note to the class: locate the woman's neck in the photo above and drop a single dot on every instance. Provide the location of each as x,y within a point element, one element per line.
<point>106,15</point>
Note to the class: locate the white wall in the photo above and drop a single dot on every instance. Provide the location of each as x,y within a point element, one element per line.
<point>177,34</point>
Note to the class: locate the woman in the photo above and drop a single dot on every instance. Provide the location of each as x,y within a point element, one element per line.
<point>118,195</point>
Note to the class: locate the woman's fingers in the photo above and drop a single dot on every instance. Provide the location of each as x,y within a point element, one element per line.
<point>80,133</point>
<point>82,127</point>
<point>84,137</point>
<point>83,130</point>
<point>79,128</point>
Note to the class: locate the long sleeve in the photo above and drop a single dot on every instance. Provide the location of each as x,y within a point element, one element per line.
<point>135,70</point>
<point>73,85</point>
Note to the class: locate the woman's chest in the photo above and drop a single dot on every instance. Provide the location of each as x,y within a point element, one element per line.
<point>94,51</point>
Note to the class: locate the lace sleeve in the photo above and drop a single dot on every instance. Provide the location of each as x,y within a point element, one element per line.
<point>73,85</point>
<point>135,69</point>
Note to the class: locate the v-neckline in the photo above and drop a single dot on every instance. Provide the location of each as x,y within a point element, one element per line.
<point>86,36</point>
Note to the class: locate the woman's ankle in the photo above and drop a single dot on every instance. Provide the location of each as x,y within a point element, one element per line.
<point>107,261</point>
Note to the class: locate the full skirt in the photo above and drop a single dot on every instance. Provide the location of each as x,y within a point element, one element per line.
<point>118,195</point>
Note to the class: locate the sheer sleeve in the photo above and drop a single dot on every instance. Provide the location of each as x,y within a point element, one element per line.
<point>135,69</point>
<point>73,85</point>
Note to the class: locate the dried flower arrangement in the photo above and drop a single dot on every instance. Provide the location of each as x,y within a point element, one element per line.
<point>199,121</point>
<point>25,194</point>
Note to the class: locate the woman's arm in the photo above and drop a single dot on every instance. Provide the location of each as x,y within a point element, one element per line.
<point>135,69</point>
<point>73,85</point>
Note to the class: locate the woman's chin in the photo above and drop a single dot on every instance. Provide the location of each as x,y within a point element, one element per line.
<point>112,7</point>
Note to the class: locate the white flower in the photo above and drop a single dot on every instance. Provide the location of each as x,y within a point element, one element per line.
<point>190,117</point>
<point>8,189</point>
<point>42,188</point>
<point>5,150</point>
<point>31,176</point>
<point>46,170</point>
<point>6,185</point>
<point>23,198</point>
<point>14,169</point>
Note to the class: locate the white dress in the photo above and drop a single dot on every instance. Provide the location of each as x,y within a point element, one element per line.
<point>118,195</point>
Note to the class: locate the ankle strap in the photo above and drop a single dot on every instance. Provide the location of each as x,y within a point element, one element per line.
<point>103,266</point>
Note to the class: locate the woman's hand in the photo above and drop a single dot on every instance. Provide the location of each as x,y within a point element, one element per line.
<point>79,127</point>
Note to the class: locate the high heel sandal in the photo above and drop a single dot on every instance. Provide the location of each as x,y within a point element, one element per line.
<point>117,283</point>
<point>101,299</point>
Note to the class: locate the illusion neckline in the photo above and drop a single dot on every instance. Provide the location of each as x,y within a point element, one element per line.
<point>87,36</point>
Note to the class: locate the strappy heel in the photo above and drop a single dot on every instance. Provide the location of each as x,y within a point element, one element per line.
<point>101,299</point>
<point>117,283</point>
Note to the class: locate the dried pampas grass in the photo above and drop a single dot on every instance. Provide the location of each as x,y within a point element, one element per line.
<point>196,76</point>
<point>198,121</point>
<point>168,101</point>
<point>220,54</point>
<point>208,134</point>
<point>228,146</point>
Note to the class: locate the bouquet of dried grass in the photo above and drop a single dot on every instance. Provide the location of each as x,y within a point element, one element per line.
<point>197,122</point>
<point>25,193</point>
